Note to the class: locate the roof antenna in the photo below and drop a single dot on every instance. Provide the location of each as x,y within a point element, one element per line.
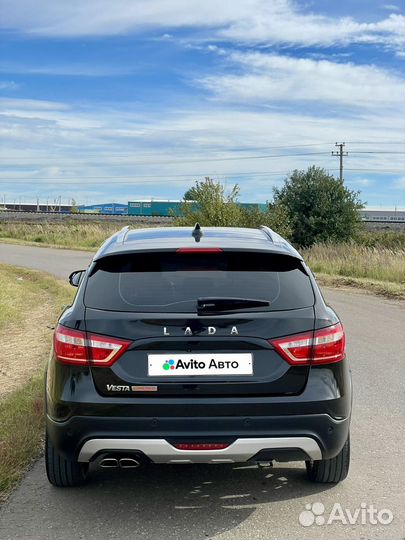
<point>197,232</point>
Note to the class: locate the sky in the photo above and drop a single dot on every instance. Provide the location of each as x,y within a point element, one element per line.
<point>106,101</point>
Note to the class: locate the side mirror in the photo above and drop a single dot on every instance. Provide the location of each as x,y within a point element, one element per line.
<point>76,277</point>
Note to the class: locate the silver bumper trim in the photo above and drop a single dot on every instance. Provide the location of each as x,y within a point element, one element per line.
<point>160,451</point>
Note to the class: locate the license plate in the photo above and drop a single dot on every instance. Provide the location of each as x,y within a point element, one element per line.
<point>186,365</point>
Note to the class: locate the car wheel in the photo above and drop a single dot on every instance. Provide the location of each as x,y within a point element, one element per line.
<point>330,470</point>
<point>62,472</point>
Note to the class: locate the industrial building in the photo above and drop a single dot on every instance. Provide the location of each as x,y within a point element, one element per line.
<point>36,207</point>
<point>383,214</point>
<point>154,208</point>
<point>105,208</point>
<point>170,208</point>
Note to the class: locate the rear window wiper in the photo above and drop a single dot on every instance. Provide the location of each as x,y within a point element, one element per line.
<point>215,305</point>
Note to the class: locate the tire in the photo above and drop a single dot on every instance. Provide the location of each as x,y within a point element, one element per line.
<point>62,472</point>
<point>330,471</point>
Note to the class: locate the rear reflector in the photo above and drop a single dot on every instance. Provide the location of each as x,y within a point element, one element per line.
<point>199,250</point>
<point>323,346</point>
<point>200,446</point>
<point>77,347</point>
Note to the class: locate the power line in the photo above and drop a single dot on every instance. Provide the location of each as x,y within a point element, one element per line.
<point>167,177</point>
<point>151,178</point>
<point>340,154</point>
<point>402,142</point>
<point>188,175</point>
<point>376,170</point>
<point>374,152</point>
<point>198,160</point>
<point>71,162</point>
<point>102,153</point>
<point>249,148</point>
<point>237,158</point>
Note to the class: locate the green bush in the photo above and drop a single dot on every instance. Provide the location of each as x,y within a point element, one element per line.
<point>212,207</point>
<point>276,217</point>
<point>320,207</point>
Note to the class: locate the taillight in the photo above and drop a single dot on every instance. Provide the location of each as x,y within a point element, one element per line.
<point>201,446</point>
<point>322,346</point>
<point>199,250</point>
<point>70,345</point>
<point>104,351</point>
<point>75,347</point>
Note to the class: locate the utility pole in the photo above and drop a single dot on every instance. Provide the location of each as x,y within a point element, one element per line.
<point>340,153</point>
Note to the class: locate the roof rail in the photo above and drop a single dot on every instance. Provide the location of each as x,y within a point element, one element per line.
<point>122,234</point>
<point>279,240</point>
<point>268,232</point>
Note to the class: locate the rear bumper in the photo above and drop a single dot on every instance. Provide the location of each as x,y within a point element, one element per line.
<point>161,451</point>
<point>77,414</point>
<point>283,438</point>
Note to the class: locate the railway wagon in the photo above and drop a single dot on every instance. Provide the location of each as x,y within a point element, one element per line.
<point>105,208</point>
<point>170,208</point>
<point>155,208</point>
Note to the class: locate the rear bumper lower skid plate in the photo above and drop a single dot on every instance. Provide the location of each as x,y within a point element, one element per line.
<point>161,451</point>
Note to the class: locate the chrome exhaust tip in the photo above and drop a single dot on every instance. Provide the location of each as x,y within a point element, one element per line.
<point>264,464</point>
<point>109,463</point>
<point>128,463</point>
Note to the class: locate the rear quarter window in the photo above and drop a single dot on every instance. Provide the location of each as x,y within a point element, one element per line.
<point>172,282</point>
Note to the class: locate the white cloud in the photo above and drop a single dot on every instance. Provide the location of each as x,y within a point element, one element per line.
<point>8,85</point>
<point>249,21</point>
<point>391,7</point>
<point>102,17</point>
<point>33,104</point>
<point>72,70</point>
<point>269,79</point>
<point>288,25</point>
<point>45,141</point>
<point>360,182</point>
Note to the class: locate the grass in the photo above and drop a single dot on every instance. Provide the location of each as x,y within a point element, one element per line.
<point>380,238</point>
<point>21,429</point>
<point>394,291</point>
<point>72,235</point>
<point>19,294</point>
<point>30,303</point>
<point>377,269</point>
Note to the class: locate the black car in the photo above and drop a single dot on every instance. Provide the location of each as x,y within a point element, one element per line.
<point>204,345</point>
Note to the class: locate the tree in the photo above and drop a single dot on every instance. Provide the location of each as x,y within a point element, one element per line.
<point>212,206</point>
<point>276,217</point>
<point>319,206</point>
<point>73,208</point>
<point>190,194</point>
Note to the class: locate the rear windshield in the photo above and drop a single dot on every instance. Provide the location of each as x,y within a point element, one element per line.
<point>172,282</point>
